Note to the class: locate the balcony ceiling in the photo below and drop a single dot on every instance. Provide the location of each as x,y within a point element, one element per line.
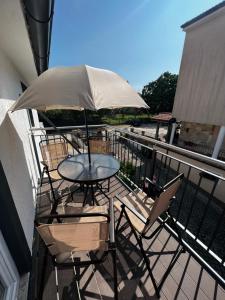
<point>14,39</point>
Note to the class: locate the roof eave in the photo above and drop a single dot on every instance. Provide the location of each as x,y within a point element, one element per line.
<point>204,17</point>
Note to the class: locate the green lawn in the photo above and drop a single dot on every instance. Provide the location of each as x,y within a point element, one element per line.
<point>118,119</point>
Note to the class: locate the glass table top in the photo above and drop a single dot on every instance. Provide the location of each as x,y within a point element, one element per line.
<point>76,168</point>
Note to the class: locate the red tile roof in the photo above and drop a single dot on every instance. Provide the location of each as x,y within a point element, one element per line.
<point>163,117</point>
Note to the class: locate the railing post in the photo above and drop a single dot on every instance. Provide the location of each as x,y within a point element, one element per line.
<point>152,169</point>
<point>219,142</point>
<point>157,131</point>
<point>36,154</point>
<point>172,132</point>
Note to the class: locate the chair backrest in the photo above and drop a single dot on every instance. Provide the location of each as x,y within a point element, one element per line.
<point>99,146</point>
<point>162,202</point>
<point>83,235</point>
<point>53,152</point>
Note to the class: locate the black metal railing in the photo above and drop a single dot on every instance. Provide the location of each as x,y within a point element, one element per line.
<point>199,208</point>
<point>203,149</point>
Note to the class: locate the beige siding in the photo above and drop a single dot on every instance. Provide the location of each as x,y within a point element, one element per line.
<point>200,95</point>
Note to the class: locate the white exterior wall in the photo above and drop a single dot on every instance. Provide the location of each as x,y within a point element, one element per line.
<point>16,152</point>
<point>200,94</point>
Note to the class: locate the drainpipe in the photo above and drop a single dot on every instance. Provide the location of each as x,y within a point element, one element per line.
<point>174,126</point>
<point>39,16</point>
<point>219,142</point>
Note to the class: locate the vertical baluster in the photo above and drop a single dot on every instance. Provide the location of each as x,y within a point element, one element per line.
<point>206,208</point>
<point>193,202</point>
<point>183,193</point>
<point>128,152</point>
<point>132,157</point>
<point>221,218</point>
<point>113,145</point>
<point>168,170</point>
<point>178,167</point>
<point>136,163</point>
<point>160,167</point>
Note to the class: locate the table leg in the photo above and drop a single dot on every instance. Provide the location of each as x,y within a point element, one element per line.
<point>85,195</point>
<point>101,190</point>
<point>93,195</point>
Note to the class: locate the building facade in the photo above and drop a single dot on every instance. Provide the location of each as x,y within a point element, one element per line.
<point>199,101</point>
<point>19,66</point>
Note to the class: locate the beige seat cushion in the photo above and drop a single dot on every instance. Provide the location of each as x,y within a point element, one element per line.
<point>141,203</point>
<point>83,234</point>
<point>148,208</point>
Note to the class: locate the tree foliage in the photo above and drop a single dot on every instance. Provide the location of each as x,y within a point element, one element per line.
<point>159,94</point>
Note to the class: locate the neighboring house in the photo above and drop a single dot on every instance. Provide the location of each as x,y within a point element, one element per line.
<point>200,96</point>
<point>24,50</point>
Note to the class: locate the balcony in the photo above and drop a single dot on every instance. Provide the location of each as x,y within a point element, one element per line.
<point>199,211</point>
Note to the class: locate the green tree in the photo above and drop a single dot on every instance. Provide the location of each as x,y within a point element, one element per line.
<point>159,94</point>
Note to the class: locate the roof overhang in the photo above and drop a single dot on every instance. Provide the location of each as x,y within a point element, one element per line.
<point>15,42</point>
<point>207,16</point>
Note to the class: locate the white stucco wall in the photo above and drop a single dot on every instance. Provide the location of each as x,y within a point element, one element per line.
<point>16,151</point>
<point>200,93</point>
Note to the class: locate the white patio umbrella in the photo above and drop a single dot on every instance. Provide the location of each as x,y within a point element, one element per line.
<point>78,88</point>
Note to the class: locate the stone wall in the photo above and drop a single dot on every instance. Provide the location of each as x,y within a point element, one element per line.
<point>199,134</point>
<point>199,137</point>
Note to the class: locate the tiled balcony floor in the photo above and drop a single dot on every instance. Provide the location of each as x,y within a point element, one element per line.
<point>187,279</point>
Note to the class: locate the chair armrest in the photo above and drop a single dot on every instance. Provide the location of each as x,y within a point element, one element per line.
<point>66,216</point>
<point>133,210</point>
<point>44,163</point>
<point>112,222</point>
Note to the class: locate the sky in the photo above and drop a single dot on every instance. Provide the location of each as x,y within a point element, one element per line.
<point>138,39</point>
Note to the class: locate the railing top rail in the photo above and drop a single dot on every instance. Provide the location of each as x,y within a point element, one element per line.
<point>193,155</point>
<point>142,145</point>
<point>66,127</point>
<point>193,166</point>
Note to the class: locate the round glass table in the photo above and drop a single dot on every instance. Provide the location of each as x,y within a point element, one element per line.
<point>77,169</point>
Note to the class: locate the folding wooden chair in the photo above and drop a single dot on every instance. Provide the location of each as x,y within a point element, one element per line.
<point>141,212</point>
<point>87,229</point>
<point>53,151</point>
<point>101,147</point>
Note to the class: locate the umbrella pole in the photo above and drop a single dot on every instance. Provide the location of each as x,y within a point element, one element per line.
<point>87,135</point>
<point>56,129</point>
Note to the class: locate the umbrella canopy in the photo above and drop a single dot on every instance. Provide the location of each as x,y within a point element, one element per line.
<point>78,88</point>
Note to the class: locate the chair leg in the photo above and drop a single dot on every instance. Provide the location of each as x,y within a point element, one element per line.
<point>147,262</point>
<point>55,201</point>
<point>42,176</point>
<point>108,185</point>
<point>115,274</point>
<point>85,195</point>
